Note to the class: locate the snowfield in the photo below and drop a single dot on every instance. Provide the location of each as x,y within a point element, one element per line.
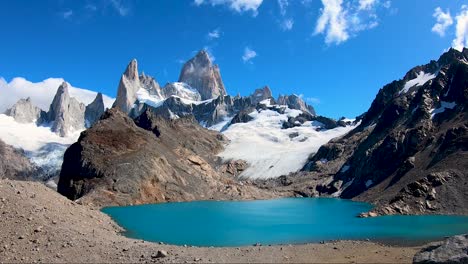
<point>272,151</point>
<point>421,79</point>
<point>42,146</point>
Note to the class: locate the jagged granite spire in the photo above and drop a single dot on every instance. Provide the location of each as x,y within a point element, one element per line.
<point>94,110</point>
<point>24,111</point>
<point>200,73</point>
<point>128,87</point>
<point>295,102</point>
<point>65,113</point>
<point>261,94</point>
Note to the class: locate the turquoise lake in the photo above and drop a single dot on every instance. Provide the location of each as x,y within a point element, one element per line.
<point>281,221</point>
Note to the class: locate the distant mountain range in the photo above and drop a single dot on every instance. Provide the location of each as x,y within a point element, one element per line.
<point>191,140</point>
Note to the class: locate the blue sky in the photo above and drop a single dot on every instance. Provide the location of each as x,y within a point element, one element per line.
<point>336,54</point>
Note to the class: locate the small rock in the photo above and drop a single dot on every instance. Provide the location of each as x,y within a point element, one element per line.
<point>38,229</point>
<point>21,237</point>
<point>160,254</point>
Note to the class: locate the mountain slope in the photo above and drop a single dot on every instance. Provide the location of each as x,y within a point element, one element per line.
<point>410,152</point>
<point>119,161</point>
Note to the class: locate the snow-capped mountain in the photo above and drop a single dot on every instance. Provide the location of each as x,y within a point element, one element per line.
<point>261,129</point>
<point>274,127</point>
<point>45,135</point>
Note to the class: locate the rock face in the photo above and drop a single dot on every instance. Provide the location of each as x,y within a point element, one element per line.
<point>181,90</point>
<point>66,113</point>
<point>119,161</point>
<point>94,110</point>
<point>14,164</point>
<point>200,73</point>
<point>25,112</point>
<point>409,155</point>
<point>452,250</point>
<point>261,94</point>
<point>151,85</point>
<point>128,87</point>
<point>295,102</point>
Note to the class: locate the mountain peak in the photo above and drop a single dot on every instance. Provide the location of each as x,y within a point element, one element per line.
<point>132,70</point>
<point>203,58</point>
<point>200,73</point>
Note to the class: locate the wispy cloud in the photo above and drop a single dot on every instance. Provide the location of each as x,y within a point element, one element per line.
<point>461,31</point>
<point>249,54</point>
<point>283,4</point>
<point>67,14</point>
<point>366,4</point>
<point>91,7</point>
<point>339,21</point>
<point>287,24</point>
<point>444,20</point>
<point>215,34</point>
<point>312,100</point>
<point>239,6</point>
<point>120,7</point>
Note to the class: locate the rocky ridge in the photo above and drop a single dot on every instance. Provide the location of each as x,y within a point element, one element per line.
<point>409,153</point>
<point>120,161</point>
<point>65,115</point>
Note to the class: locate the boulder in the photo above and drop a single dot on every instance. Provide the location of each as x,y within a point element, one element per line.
<point>452,250</point>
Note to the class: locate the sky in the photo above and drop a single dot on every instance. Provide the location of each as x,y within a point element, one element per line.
<point>336,54</point>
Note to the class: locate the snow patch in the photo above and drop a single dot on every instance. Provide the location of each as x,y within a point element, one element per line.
<point>421,79</point>
<point>443,105</point>
<point>42,146</point>
<point>369,183</point>
<point>268,148</point>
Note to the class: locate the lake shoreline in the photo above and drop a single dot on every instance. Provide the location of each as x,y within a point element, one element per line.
<point>40,225</point>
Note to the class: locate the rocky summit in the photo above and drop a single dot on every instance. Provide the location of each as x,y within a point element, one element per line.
<point>200,73</point>
<point>25,112</point>
<point>65,116</point>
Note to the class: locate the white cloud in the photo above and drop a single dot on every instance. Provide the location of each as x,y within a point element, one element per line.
<point>366,4</point>
<point>215,34</point>
<point>249,54</point>
<point>287,24</point>
<point>332,22</point>
<point>461,31</point>
<point>239,6</point>
<point>41,93</point>
<point>67,14</point>
<point>444,20</point>
<point>339,21</point>
<point>120,7</point>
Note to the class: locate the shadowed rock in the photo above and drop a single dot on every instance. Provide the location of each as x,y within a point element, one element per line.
<point>202,75</point>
